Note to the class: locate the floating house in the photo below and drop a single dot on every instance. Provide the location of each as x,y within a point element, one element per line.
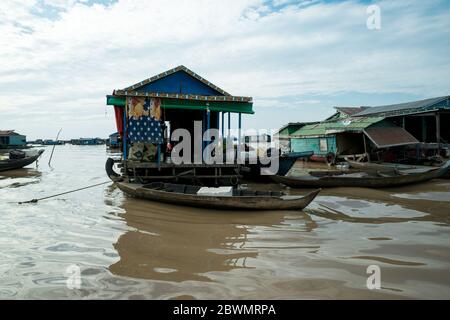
<point>11,139</point>
<point>283,135</point>
<point>168,101</point>
<point>87,141</point>
<point>49,142</point>
<point>114,141</point>
<point>388,133</point>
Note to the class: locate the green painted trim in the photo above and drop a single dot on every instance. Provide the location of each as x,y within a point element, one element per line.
<point>221,106</point>
<point>115,101</point>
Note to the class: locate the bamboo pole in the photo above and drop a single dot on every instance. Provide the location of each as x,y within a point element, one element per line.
<point>53,149</point>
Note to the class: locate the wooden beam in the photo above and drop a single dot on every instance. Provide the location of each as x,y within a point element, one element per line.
<point>438,131</point>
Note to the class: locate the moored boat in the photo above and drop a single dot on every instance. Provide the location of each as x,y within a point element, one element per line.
<point>285,163</point>
<point>243,199</point>
<point>12,164</point>
<point>367,179</point>
<point>387,166</point>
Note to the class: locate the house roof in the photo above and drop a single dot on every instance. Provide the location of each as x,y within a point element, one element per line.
<point>5,133</point>
<point>202,90</point>
<point>329,127</point>
<point>350,110</point>
<point>407,108</point>
<point>291,127</point>
<point>172,71</point>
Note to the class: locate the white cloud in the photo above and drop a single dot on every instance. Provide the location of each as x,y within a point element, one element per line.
<point>68,61</point>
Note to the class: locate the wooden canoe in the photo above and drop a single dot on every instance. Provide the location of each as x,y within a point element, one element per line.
<point>386,166</point>
<point>186,195</point>
<point>12,164</point>
<point>362,178</point>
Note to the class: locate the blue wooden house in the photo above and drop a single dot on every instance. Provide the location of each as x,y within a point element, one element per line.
<point>10,139</point>
<point>182,97</point>
<point>114,140</point>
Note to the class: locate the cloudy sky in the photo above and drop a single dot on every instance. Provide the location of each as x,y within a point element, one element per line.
<point>297,59</point>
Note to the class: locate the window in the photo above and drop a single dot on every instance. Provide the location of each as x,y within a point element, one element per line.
<point>323,145</point>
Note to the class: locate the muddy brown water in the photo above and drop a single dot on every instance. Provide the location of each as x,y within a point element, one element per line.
<point>127,248</point>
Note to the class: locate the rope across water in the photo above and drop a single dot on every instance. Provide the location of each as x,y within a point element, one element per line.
<point>63,193</point>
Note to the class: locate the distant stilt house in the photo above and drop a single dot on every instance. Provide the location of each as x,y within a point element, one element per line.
<point>149,112</point>
<point>114,141</point>
<point>10,139</point>
<point>388,133</point>
<point>283,135</point>
<point>87,141</point>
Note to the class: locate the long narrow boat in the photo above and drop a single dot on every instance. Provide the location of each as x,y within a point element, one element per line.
<point>12,164</point>
<point>387,166</point>
<point>365,179</point>
<point>240,199</point>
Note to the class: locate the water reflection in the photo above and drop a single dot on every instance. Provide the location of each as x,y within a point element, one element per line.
<point>177,243</point>
<point>133,249</point>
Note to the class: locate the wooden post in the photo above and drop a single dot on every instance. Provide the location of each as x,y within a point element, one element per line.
<point>223,124</point>
<point>424,129</point>
<point>159,156</point>
<point>438,131</point>
<point>124,140</point>
<point>403,122</point>
<point>365,147</point>
<point>229,123</point>
<point>208,125</point>
<point>240,125</point>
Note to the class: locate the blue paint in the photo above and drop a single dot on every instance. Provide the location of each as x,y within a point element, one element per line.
<point>313,144</point>
<point>13,140</point>
<point>179,82</point>
<point>159,155</point>
<point>125,142</point>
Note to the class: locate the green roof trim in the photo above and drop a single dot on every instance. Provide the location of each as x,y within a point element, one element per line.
<point>332,127</point>
<point>223,106</point>
<point>115,101</point>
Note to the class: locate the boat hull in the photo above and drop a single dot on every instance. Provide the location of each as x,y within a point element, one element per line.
<point>219,202</point>
<point>7,165</point>
<point>366,182</point>
<point>391,166</point>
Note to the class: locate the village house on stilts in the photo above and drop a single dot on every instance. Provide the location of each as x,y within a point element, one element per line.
<point>406,132</point>
<point>147,113</point>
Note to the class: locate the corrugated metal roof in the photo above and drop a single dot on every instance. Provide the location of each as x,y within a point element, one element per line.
<point>291,127</point>
<point>8,133</point>
<point>346,125</point>
<point>384,137</point>
<point>393,108</point>
<point>350,110</point>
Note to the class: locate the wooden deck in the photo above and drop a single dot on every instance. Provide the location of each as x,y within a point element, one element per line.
<point>210,174</point>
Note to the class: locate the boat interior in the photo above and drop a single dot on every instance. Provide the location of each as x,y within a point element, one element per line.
<point>355,174</point>
<point>189,189</point>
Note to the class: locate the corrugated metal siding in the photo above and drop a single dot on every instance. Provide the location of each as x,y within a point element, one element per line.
<point>330,127</point>
<point>313,144</point>
<point>390,136</point>
<point>439,102</point>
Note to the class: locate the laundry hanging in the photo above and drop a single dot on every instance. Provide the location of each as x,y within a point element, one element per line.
<point>143,127</point>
